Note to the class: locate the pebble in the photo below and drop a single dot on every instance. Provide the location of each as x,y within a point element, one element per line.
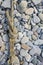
<point>25,63</point>
<point>24,39</point>
<point>38,42</point>
<point>36,19</point>
<point>35,28</point>
<point>28,57</point>
<point>31,64</point>
<point>36,1</point>
<point>22,6</point>
<point>34,37</point>
<point>20,35</point>
<point>23,52</point>
<point>0,26</point>
<point>6,4</point>
<point>35,50</point>
<point>29,11</point>
<point>5,38</point>
<point>25,17</point>
<point>25,46</point>
<point>41,16</point>
<point>42,54</point>
<point>18,46</point>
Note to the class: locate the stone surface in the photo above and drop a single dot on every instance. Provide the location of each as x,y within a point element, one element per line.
<point>29,11</point>
<point>27,57</point>
<point>22,6</point>
<point>25,39</point>
<point>31,64</point>
<point>38,42</point>
<point>6,4</point>
<point>23,52</point>
<point>41,16</point>
<point>36,19</point>
<point>35,50</point>
<point>36,1</point>
<point>26,47</point>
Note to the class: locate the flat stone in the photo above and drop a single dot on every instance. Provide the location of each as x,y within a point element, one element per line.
<point>25,17</point>
<point>23,52</point>
<point>25,46</point>
<point>36,1</point>
<point>20,35</point>
<point>42,54</point>
<point>35,28</point>
<point>34,37</point>
<point>31,64</point>
<point>0,26</point>
<point>18,46</point>
<point>38,42</point>
<point>36,19</point>
<point>6,4</point>
<point>24,39</point>
<point>29,11</point>
<point>35,50</point>
<point>22,6</point>
<point>32,22</point>
<point>25,63</point>
<point>28,57</point>
<point>41,16</point>
<point>5,38</point>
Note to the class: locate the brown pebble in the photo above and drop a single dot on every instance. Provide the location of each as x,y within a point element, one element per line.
<point>26,47</point>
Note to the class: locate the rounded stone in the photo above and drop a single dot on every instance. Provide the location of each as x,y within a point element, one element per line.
<point>25,39</point>
<point>36,1</point>
<point>23,52</point>
<point>29,11</point>
<point>31,64</point>
<point>41,16</point>
<point>18,46</point>
<point>22,6</point>
<point>27,57</point>
<point>5,38</point>
<point>0,26</point>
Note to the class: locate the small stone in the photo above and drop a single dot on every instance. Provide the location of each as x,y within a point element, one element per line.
<point>36,1</point>
<point>25,63</point>
<point>18,46</point>
<point>42,54</point>
<point>31,64</point>
<point>35,10</point>
<point>25,17</point>
<point>6,4</point>
<point>22,6</point>
<point>28,57</point>
<point>41,16</point>
<point>32,22</point>
<point>23,52</point>
<point>38,42</point>
<point>20,35</point>
<point>36,19</point>
<point>5,38</point>
<point>34,37</point>
<point>24,39</point>
<point>26,47</point>
<point>29,11</point>
<point>0,26</point>
<point>35,50</point>
<point>35,28</point>
<point>26,26</point>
